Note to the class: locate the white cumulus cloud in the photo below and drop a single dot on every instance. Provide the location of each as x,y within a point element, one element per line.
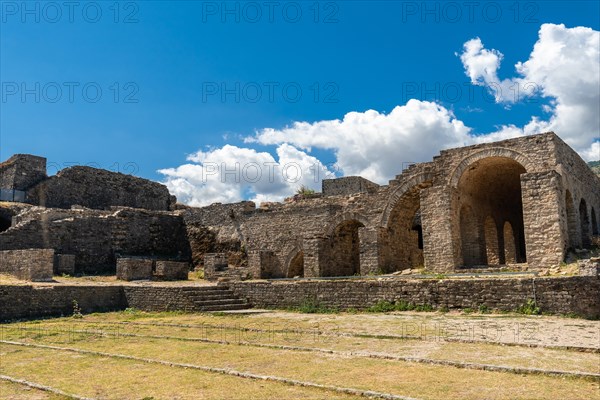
<point>375,145</point>
<point>230,173</point>
<point>564,67</point>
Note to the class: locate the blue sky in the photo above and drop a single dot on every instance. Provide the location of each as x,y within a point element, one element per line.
<point>177,78</point>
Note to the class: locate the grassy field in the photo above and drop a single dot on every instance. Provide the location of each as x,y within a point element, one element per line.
<point>283,355</point>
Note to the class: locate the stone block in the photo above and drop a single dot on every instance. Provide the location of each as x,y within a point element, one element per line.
<point>131,269</point>
<point>171,270</point>
<point>28,264</point>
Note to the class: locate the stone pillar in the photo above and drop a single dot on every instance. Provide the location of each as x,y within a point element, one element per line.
<point>311,248</point>
<point>253,264</point>
<point>213,263</point>
<point>544,219</point>
<point>369,255</point>
<point>440,234</point>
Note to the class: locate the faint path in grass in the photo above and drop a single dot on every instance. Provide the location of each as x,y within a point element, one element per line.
<point>224,371</point>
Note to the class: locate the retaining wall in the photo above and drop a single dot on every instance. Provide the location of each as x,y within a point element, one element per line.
<point>578,294</point>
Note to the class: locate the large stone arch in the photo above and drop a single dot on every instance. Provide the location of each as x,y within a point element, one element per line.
<point>489,186</point>
<point>421,180</point>
<point>499,152</point>
<point>400,239</point>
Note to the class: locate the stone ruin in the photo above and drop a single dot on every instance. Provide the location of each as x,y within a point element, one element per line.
<point>524,203</point>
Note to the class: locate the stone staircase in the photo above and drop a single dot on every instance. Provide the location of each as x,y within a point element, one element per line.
<point>215,298</point>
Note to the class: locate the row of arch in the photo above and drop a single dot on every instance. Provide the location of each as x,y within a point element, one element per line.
<point>580,226</point>
<point>488,210</point>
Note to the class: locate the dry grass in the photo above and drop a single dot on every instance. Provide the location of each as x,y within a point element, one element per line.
<point>116,378</point>
<point>13,391</point>
<point>484,353</point>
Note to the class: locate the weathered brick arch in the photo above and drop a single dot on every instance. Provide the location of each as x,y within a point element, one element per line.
<point>344,217</point>
<point>488,153</point>
<point>424,178</point>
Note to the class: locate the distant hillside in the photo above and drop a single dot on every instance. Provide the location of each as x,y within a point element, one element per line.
<point>595,165</point>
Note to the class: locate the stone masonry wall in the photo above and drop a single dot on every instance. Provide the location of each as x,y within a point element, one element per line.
<point>22,171</point>
<point>21,301</point>
<point>347,185</point>
<point>29,264</point>
<point>97,238</point>
<point>577,295</point>
<point>97,188</point>
<point>43,301</point>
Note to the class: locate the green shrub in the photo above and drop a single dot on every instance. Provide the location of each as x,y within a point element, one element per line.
<point>529,308</point>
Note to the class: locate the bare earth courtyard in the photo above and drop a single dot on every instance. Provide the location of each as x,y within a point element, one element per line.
<point>290,355</point>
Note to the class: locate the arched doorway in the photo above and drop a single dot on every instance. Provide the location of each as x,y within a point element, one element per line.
<point>594,223</point>
<point>296,267</point>
<point>401,241</point>
<point>584,219</point>
<point>489,190</point>
<point>340,253</point>
<point>571,221</point>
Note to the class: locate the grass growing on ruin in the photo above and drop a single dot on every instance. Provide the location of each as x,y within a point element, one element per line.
<point>109,377</point>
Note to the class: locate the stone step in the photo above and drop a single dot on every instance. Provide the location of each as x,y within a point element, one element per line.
<point>212,296</point>
<point>204,288</point>
<point>219,302</point>
<point>225,307</point>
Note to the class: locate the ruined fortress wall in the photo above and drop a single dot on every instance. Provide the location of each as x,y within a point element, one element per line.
<point>99,189</point>
<point>33,301</point>
<point>22,171</point>
<point>577,295</point>
<point>216,228</point>
<point>43,301</point>
<point>96,238</point>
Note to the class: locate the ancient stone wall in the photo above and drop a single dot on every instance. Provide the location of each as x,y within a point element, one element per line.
<point>347,185</point>
<point>97,238</point>
<point>28,264</point>
<point>577,295</point>
<point>22,171</point>
<point>43,301</point>
<point>100,189</point>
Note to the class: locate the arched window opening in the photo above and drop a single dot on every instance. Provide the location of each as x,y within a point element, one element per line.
<point>296,268</point>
